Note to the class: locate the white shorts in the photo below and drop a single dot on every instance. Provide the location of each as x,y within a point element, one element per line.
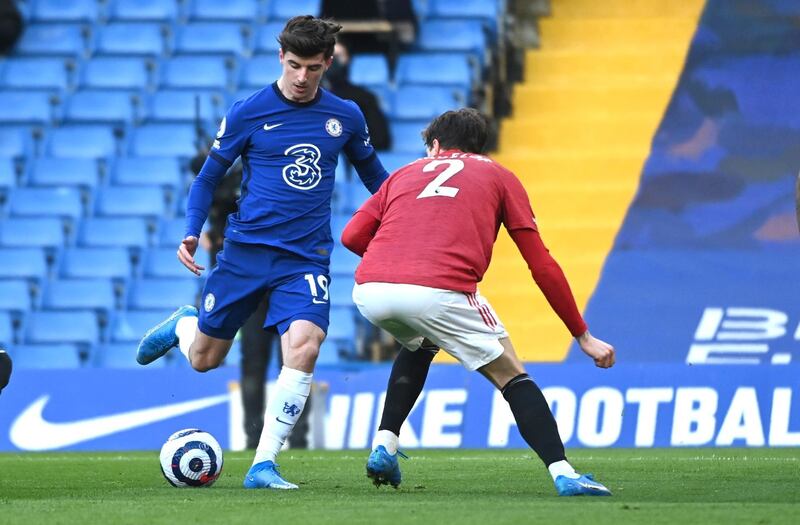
<point>462,324</point>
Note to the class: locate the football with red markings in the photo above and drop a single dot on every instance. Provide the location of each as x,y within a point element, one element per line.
<point>191,458</point>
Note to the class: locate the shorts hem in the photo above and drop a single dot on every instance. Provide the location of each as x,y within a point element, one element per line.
<point>219,333</point>
<point>318,320</point>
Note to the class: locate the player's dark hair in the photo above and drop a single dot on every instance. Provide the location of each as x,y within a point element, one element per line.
<point>307,36</point>
<point>465,129</point>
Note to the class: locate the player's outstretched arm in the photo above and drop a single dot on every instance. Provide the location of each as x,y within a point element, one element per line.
<point>601,352</point>
<point>186,252</point>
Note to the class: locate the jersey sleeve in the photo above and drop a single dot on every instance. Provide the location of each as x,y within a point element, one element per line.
<point>232,136</point>
<point>358,147</point>
<point>516,208</point>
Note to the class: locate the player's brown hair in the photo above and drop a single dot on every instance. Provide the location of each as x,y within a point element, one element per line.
<point>307,36</point>
<point>465,129</point>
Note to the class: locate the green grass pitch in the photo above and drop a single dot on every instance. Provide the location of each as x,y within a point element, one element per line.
<point>686,486</point>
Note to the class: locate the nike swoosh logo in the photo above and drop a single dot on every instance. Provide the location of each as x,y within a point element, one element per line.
<point>267,127</point>
<point>279,420</point>
<point>31,431</point>
<point>317,301</point>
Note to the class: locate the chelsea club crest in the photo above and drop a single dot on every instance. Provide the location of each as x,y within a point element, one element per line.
<point>333,127</point>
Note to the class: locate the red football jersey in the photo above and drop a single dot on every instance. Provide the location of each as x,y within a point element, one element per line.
<point>439,218</point>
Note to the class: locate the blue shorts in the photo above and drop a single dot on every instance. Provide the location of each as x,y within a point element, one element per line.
<point>298,289</point>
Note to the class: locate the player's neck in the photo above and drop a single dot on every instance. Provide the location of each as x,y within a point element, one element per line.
<point>287,94</point>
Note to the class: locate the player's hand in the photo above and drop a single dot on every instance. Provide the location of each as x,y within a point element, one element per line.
<point>186,255</point>
<point>601,352</point>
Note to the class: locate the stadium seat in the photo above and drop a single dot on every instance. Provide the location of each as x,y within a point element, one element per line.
<point>123,38</point>
<point>7,335</point>
<point>148,171</point>
<point>45,202</point>
<point>286,9</point>
<point>117,73</point>
<point>211,37</point>
<point>452,69</point>
<point>356,194</point>
<point>260,71</point>
<point>341,329</point>
<point>181,105</point>
<point>36,73</point>
<point>41,232</point>
<point>343,262</point>
<point>27,107</point>
<point>385,95</point>
<point>8,175</point>
<point>162,262</point>
<point>394,161</point>
<point>369,70</point>
<point>465,36</point>
<point>49,171</point>
<point>164,140</point>
<point>243,10</point>
<point>53,326</point>
<point>100,106</point>
<point>486,10</point>
<point>406,137</point>
<point>130,325</point>
<point>53,40</point>
<point>65,10</point>
<point>123,355</point>
<point>267,39</point>
<point>45,356</point>
<point>144,10</point>
<point>199,72</point>
<point>15,141</point>
<point>79,294</point>
<point>102,232</point>
<point>87,141</point>
<point>171,232</point>
<point>85,263</point>
<point>125,201</point>
<point>15,296</point>
<point>159,294</point>
<point>424,103</point>
<point>341,290</point>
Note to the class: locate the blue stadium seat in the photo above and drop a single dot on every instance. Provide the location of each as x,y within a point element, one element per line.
<point>385,95</point>
<point>15,296</point>
<point>267,38</point>
<point>343,262</point>
<point>41,232</point>
<point>418,102</point>
<point>144,10</point>
<point>72,326</point>
<point>65,10</point>
<point>451,69</point>
<point>23,263</point>
<point>465,36</point>
<point>406,137</point>
<point>8,174</point>
<point>180,105</point>
<point>244,10</point>
<point>342,329</point>
<point>328,353</point>
<point>160,294</point>
<point>211,37</point>
<point>49,171</point>
<point>117,73</point>
<point>125,201</point>
<point>123,355</point>
<point>163,140</point>
<point>87,141</point>
<point>46,202</point>
<point>130,325</point>
<point>369,70</point>
<point>85,263</point>
<point>102,232</point>
<point>394,161</point>
<point>53,40</point>
<point>79,294</point>
<point>341,290</point>
<point>286,9</point>
<point>260,71</point>
<point>338,222</point>
<point>162,262</point>
<point>199,72</point>
<point>148,171</point>
<point>45,356</point>
<point>486,10</point>
<point>35,73</point>
<point>27,107</point>
<point>100,106</point>
<point>123,38</point>
<point>15,141</point>
<point>171,232</point>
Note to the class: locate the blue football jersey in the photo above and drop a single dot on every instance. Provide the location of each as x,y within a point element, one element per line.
<point>289,154</point>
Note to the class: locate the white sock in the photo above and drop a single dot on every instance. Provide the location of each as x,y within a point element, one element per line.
<point>562,468</point>
<point>186,330</point>
<point>285,403</point>
<point>388,439</point>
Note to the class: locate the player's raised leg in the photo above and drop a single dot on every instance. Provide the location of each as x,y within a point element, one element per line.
<point>300,346</point>
<point>536,423</point>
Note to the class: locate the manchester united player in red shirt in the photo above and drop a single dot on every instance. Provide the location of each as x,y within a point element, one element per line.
<point>449,206</point>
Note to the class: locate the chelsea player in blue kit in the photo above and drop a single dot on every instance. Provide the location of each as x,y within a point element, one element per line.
<point>289,136</point>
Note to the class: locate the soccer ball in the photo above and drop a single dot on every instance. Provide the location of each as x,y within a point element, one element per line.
<point>191,458</point>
